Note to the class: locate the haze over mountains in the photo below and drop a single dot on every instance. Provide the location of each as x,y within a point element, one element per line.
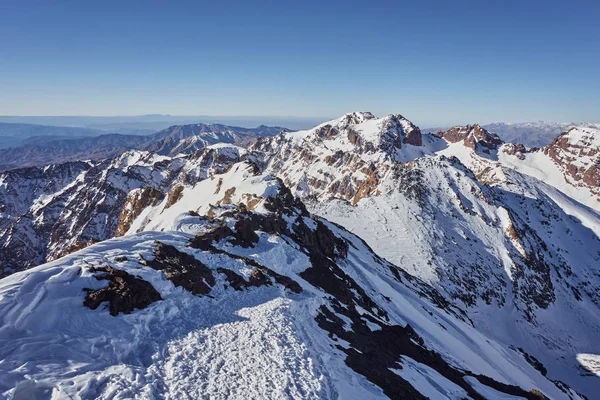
<point>150,123</point>
<point>44,150</point>
<point>361,257</point>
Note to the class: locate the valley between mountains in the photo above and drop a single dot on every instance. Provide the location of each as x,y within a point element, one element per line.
<point>361,258</point>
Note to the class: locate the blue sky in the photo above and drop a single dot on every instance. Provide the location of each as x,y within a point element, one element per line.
<point>436,62</point>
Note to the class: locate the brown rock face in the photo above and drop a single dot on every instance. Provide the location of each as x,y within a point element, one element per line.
<point>366,188</point>
<point>414,137</point>
<point>124,292</point>
<point>136,202</point>
<point>515,149</point>
<point>578,155</point>
<point>591,177</point>
<point>76,247</point>
<point>227,197</point>
<point>328,132</point>
<point>354,138</point>
<point>174,195</point>
<point>473,136</point>
<point>397,130</point>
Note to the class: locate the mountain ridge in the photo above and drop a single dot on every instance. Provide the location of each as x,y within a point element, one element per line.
<point>171,141</point>
<point>506,248</point>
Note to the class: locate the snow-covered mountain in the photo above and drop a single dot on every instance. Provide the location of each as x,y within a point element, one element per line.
<point>46,213</point>
<point>522,257</point>
<point>499,247</point>
<point>245,295</point>
<point>178,139</point>
<point>185,139</point>
<point>570,163</point>
<point>17,134</point>
<point>533,134</point>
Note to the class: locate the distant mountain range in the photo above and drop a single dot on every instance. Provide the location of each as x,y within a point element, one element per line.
<point>17,134</point>
<point>145,124</point>
<point>44,150</point>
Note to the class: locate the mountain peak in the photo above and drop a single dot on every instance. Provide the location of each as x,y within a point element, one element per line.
<point>585,136</point>
<point>366,132</point>
<point>473,136</point>
<point>577,151</point>
<point>356,117</point>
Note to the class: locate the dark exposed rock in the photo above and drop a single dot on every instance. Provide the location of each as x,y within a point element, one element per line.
<point>258,274</point>
<point>535,363</point>
<point>124,292</point>
<point>204,240</point>
<point>236,281</point>
<point>515,149</point>
<point>258,278</point>
<point>285,202</point>
<point>319,241</point>
<point>414,137</point>
<point>374,352</point>
<point>244,234</point>
<point>182,269</point>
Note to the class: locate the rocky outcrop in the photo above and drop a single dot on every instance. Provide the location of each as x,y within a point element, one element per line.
<point>182,269</point>
<point>577,153</point>
<point>472,136</point>
<point>515,149</point>
<point>205,240</point>
<point>124,292</point>
<point>136,202</point>
<point>359,146</point>
<point>174,195</point>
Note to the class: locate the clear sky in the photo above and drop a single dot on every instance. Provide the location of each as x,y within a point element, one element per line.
<point>436,62</point>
